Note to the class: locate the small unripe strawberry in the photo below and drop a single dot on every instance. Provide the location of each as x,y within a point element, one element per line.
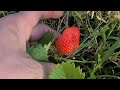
<point>69,40</point>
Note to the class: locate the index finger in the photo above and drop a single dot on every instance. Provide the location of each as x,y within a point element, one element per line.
<point>23,22</point>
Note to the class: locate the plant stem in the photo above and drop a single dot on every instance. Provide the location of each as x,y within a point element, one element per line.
<point>78,61</point>
<point>109,76</point>
<point>94,70</point>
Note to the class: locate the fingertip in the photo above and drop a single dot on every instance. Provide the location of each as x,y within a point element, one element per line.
<point>39,31</point>
<point>58,14</point>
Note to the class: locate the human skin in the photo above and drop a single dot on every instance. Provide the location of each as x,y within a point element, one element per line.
<point>15,30</point>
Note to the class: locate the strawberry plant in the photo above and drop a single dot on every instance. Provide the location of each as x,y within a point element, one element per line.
<point>39,50</point>
<point>65,44</point>
<point>67,71</point>
<point>88,47</point>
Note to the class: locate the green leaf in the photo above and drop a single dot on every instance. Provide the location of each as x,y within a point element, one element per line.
<point>113,37</point>
<point>103,31</point>
<point>47,47</point>
<point>37,52</point>
<point>88,44</point>
<point>67,70</point>
<point>99,59</point>
<point>40,51</point>
<point>112,28</point>
<point>110,51</point>
<point>47,37</point>
<point>57,73</point>
<point>103,34</point>
<point>78,14</point>
<point>95,33</point>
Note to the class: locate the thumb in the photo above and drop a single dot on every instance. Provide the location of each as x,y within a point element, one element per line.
<point>40,29</point>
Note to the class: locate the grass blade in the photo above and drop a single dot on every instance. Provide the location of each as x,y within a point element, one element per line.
<point>110,51</point>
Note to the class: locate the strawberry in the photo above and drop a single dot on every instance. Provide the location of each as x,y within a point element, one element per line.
<point>69,40</point>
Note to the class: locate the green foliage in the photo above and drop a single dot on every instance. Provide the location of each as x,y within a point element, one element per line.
<point>38,52</point>
<point>47,37</point>
<point>67,70</point>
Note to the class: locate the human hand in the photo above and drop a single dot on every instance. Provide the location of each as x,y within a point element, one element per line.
<point>15,31</point>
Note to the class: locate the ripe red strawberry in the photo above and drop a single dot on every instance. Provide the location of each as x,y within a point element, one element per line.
<point>69,40</point>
